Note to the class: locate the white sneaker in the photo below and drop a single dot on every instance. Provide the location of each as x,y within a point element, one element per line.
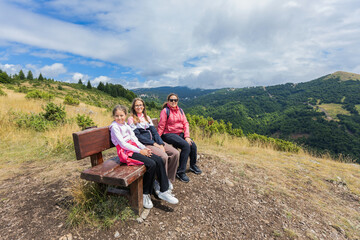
<point>171,187</point>
<point>147,203</point>
<point>168,197</point>
<point>156,187</point>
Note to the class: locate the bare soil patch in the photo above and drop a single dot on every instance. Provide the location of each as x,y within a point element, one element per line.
<point>218,204</point>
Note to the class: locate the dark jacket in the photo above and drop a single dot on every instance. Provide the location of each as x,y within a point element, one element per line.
<point>148,136</point>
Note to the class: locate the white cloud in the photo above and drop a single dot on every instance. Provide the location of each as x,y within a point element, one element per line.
<point>99,79</point>
<point>225,43</point>
<point>10,68</point>
<point>76,76</point>
<point>53,70</point>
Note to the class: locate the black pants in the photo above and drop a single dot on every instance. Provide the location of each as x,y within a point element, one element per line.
<point>187,150</point>
<point>154,166</point>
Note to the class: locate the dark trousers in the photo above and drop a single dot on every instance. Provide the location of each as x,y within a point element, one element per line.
<point>187,150</point>
<point>154,166</point>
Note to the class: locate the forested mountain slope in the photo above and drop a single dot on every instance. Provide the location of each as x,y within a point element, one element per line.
<point>322,114</point>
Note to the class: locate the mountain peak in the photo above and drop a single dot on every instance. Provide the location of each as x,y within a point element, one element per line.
<point>343,76</point>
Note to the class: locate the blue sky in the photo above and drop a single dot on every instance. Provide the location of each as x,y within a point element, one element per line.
<point>206,44</point>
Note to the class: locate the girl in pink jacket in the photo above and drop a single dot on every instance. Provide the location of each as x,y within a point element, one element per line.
<point>173,128</point>
<point>133,152</point>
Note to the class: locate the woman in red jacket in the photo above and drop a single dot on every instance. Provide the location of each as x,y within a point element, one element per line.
<point>173,128</point>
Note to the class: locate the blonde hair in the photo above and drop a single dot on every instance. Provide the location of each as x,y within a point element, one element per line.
<point>133,111</point>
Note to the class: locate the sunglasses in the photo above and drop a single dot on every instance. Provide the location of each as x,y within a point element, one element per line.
<point>173,100</point>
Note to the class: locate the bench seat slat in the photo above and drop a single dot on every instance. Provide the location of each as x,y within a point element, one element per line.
<point>125,173</point>
<point>113,174</point>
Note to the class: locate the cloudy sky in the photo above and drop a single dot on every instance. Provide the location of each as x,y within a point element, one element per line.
<point>194,43</point>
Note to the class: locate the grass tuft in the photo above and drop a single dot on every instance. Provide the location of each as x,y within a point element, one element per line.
<point>92,206</point>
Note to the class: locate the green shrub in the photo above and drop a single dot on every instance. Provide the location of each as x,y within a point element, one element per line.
<point>84,121</point>
<point>92,206</point>
<point>70,100</point>
<point>33,121</point>
<point>54,113</point>
<point>36,94</point>
<point>279,144</point>
<point>22,89</point>
<point>211,126</point>
<point>43,121</point>
<point>2,93</point>
<point>60,87</point>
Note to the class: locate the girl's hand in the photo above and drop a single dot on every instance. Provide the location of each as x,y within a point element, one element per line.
<point>146,152</point>
<point>188,140</point>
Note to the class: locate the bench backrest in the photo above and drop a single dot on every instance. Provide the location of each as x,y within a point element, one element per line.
<point>91,142</point>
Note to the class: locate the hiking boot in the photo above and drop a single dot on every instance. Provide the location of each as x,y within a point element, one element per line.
<point>167,196</point>
<point>182,177</point>
<point>156,187</point>
<point>195,169</point>
<point>147,203</point>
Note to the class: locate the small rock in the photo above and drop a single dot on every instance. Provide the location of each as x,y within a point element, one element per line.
<point>228,182</point>
<point>117,234</point>
<point>145,213</point>
<point>66,237</point>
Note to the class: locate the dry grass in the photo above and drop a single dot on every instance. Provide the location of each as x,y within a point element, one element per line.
<point>334,109</point>
<point>22,146</point>
<point>357,107</point>
<point>331,188</point>
<point>344,76</point>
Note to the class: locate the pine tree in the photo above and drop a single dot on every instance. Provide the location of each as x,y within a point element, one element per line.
<point>30,75</point>
<point>89,85</point>
<point>101,86</point>
<point>21,75</point>
<point>40,77</point>
<point>80,82</point>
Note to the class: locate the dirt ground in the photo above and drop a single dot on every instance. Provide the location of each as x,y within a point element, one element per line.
<point>218,204</point>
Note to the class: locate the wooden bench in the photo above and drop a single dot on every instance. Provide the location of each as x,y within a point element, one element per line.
<point>92,142</point>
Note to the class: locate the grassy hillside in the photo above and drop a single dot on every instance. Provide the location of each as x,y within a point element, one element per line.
<point>309,197</point>
<point>343,76</point>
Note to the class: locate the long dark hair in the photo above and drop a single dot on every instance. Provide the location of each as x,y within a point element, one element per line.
<point>133,112</point>
<point>168,97</point>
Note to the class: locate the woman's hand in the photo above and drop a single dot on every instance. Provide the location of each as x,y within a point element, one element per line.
<point>188,140</point>
<point>159,146</point>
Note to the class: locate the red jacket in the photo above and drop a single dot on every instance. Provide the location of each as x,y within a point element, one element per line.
<point>176,123</point>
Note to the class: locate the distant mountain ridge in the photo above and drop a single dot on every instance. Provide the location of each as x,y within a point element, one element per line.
<point>159,94</point>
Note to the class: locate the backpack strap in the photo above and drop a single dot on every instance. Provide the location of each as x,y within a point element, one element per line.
<point>168,112</point>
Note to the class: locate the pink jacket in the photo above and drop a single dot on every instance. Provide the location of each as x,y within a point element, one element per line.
<point>177,122</point>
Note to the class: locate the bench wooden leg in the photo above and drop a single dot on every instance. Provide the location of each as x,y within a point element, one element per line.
<point>136,195</point>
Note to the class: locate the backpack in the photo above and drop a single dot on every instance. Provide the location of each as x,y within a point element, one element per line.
<point>168,112</point>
